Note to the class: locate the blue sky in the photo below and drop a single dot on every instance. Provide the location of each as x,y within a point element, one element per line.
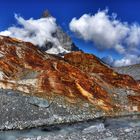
<point>64,11</point>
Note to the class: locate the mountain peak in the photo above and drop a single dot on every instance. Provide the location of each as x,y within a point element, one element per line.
<point>46,13</point>
<point>65,42</point>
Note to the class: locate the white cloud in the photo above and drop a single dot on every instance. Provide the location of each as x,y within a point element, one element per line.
<point>104,30</point>
<point>127,60</point>
<point>107,32</point>
<point>134,35</point>
<point>36,31</point>
<point>124,61</point>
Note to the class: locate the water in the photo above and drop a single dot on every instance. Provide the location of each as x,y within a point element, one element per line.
<point>85,127</point>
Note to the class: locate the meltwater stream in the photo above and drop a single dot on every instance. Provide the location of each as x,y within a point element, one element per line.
<point>98,125</point>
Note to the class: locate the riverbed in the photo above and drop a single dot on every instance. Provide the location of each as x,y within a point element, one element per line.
<point>103,128</point>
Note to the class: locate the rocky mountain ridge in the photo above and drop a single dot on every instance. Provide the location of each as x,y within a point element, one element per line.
<point>38,89</point>
<point>78,76</point>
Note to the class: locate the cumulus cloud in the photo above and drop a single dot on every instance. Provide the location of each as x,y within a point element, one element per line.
<point>36,31</point>
<point>107,32</point>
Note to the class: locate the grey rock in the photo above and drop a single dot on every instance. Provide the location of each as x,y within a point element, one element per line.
<point>132,70</point>
<point>76,131</point>
<point>65,40</point>
<point>19,111</point>
<point>98,127</point>
<point>40,102</point>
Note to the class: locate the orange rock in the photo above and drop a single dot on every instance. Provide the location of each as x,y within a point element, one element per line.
<point>78,76</point>
<point>93,65</point>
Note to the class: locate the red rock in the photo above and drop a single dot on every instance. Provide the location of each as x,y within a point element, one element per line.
<point>77,76</point>
<point>94,66</point>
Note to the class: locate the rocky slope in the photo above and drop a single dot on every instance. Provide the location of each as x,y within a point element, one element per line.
<point>76,87</point>
<point>94,67</point>
<point>132,70</point>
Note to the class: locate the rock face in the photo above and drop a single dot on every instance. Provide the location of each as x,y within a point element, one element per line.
<point>99,71</point>
<point>78,84</point>
<point>27,69</point>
